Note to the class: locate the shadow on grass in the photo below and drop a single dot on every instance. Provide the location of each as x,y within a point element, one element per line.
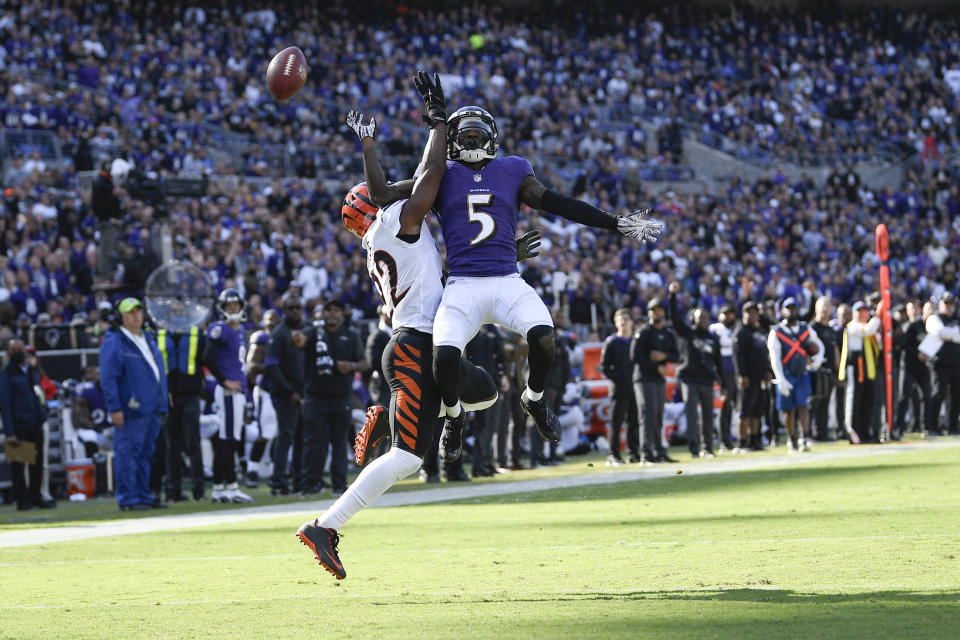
<point>771,478</point>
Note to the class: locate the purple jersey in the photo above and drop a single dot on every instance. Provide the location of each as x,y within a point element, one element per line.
<point>90,391</point>
<point>478,214</point>
<point>230,356</point>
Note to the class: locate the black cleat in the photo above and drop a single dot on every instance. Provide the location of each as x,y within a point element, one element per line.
<point>451,439</point>
<point>375,428</point>
<point>547,423</point>
<point>324,543</point>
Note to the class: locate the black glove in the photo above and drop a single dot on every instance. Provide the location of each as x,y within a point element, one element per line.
<point>433,100</point>
<point>528,245</point>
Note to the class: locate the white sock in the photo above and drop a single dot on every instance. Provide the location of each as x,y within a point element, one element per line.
<point>533,395</point>
<point>453,411</point>
<point>377,477</point>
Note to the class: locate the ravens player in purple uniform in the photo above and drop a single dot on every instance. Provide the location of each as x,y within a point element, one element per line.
<point>477,204</point>
<point>223,356</point>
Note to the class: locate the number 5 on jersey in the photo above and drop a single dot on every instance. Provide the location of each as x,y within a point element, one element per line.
<point>487,224</point>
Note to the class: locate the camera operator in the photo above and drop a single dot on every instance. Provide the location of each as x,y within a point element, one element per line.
<point>105,201</point>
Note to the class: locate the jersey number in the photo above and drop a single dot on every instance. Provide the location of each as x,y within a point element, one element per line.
<point>487,224</point>
<point>385,277</point>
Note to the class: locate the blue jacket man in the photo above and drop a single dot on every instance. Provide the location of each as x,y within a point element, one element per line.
<point>134,387</point>
<point>23,414</point>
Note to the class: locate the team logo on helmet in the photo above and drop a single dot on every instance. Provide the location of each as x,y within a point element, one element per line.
<point>358,211</point>
<point>471,135</point>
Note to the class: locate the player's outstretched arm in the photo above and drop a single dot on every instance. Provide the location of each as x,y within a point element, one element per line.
<point>636,225</point>
<point>434,162</point>
<point>382,193</point>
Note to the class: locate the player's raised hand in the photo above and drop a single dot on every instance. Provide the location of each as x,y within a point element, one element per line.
<point>432,94</point>
<point>355,122</point>
<point>528,245</point>
<point>640,227</point>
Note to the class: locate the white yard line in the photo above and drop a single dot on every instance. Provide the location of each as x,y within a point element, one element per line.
<point>25,537</point>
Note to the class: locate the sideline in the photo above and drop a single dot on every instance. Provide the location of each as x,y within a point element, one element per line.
<point>28,537</point>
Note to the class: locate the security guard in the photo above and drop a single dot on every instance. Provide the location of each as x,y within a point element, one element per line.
<point>182,354</point>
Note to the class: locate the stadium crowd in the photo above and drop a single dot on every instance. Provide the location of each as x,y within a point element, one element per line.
<point>570,91</point>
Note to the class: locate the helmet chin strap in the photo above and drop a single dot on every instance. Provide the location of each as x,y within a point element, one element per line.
<point>235,317</point>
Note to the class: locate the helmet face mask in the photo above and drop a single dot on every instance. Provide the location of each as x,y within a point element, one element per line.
<point>358,212</point>
<point>228,296</point>
<point>471,135</point>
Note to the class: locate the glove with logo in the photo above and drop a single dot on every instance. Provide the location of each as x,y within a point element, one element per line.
<point>433,100</point>
<point>640,227</point>
<point>355,122</point>
<point>528,245</point>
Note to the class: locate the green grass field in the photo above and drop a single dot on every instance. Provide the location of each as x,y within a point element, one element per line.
<point>853,548</point>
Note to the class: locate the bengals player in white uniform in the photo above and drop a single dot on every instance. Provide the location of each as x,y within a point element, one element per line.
<point>406,268</point>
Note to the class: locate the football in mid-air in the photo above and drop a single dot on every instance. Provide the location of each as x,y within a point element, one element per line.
<point>287,73</point>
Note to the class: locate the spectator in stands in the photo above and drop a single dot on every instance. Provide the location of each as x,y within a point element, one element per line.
<point>135,390</point>
<point>105,202</point>
<point>23,413</point>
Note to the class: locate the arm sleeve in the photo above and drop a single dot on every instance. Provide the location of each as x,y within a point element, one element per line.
<point>577,211</point>
<point>674,354</point>
<point>275,351</point>
<point>109,375</point>
<point>6,404</point>
<point>606,361</point>
<point>872,327</point>
<point>679,325</point>
<point>210,353</point>
<point>773,347</point>
<point>817,360</point>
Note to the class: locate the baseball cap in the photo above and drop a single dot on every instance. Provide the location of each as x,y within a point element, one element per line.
<point>750,304</point>
<point>789,302</point>
<point>859,305</point>
<point>727,308</point>
<point>653,304</point>
<point>948,298</point>
<point>128,304</point>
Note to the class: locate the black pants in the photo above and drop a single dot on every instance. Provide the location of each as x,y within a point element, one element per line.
<point>500,413</point>
<point>183,435</point>
<point>288,416</point>
<point>651,399</point>
<point>914,390</point>
<point>23,493</point>
<point>484,424</point>
<point>823,384</point>
<point>699,427</point>
<point>946,386</point>
<point>518,424</point>
<point>624,407</point>
<point>326,426</point>
<point>726,413</point>
<point>158,465</point>
<point>860,398</point>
